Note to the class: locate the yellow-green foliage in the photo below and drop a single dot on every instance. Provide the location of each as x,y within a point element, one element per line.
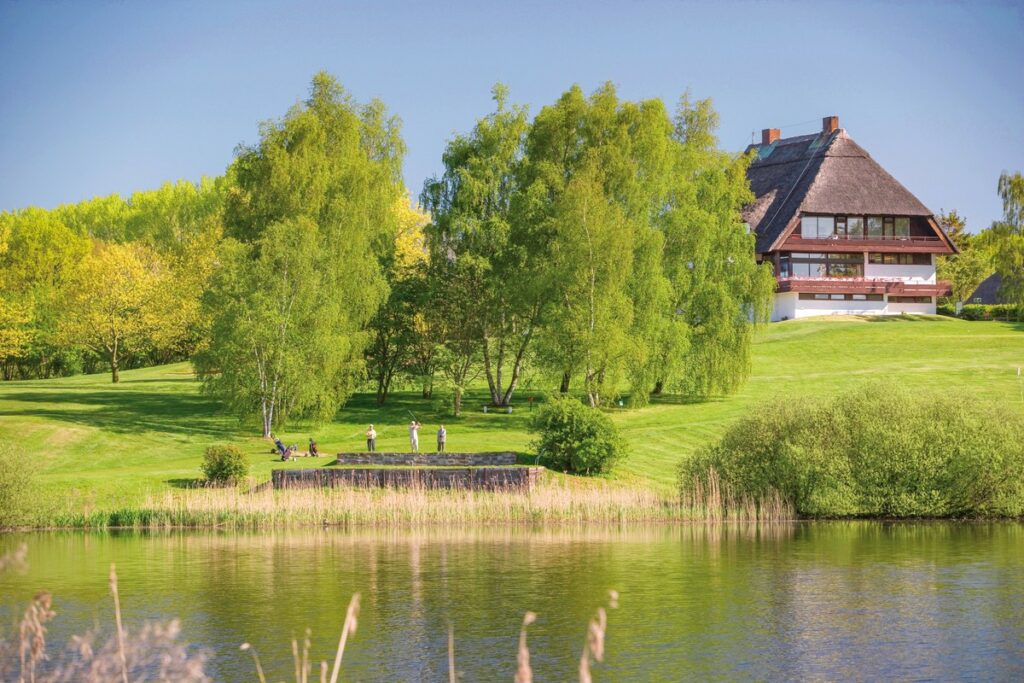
<point>874,450</point>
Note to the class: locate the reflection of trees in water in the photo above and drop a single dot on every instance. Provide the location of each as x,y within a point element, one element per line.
<point>796,600</point>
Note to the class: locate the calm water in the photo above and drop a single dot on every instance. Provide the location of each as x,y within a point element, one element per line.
<point>838,601</point>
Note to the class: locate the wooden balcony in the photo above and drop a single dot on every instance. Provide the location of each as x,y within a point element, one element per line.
<point>858,285</point>
<point>913,244</point>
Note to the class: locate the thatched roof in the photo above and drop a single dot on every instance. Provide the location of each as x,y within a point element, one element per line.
<point>825,173</point>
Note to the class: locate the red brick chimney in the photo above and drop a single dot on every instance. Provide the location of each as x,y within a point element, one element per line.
<point>829,125</point>
<point>769,135</point>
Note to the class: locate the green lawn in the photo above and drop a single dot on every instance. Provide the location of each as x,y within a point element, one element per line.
<point>107,444</point>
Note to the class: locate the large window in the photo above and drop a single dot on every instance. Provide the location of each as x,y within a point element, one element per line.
<point>817,227</point>
<point>821,265</point>
<point>875,228</point>
<point>902,227</point>
<point>855,227</point>
<point>910,300</point>
<point>900,259</point>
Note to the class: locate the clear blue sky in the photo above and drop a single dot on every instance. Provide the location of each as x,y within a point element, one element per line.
<point>115,97</point>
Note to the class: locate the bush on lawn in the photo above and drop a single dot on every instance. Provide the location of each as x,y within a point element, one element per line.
<point>876,450</point>
<point>225,464</point>
<point>575,438</point>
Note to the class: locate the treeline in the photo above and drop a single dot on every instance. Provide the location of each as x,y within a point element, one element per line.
<point>108,283</point>
<point>597,246</point>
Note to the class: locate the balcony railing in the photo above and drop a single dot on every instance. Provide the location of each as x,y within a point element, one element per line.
<point>860,285</point>
<point>869,238</point>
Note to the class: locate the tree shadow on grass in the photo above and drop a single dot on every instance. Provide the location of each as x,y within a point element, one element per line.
<point>125,411</point>
<point>683,399</point>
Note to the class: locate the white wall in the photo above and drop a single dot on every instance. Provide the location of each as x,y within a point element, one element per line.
<point>788,306</point>
<point>808,308</point>
<point>785,307</point>
<point>896,309</point>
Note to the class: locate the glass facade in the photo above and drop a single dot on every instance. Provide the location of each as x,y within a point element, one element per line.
<point>900,259</point>
<point>821,265</point>
<point>815,227</point>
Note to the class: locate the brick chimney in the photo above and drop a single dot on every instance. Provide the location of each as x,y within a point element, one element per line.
<point>829,125</point>
<point>769,135</point>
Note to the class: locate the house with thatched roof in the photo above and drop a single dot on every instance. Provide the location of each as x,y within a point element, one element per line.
<point>843,235</point>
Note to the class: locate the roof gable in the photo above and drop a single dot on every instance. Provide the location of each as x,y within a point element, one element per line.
<point>825,173</point>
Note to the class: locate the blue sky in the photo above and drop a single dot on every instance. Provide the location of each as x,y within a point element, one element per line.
<point>116,97</point>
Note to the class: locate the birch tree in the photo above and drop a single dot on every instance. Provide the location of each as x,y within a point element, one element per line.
<point>473,226</point>
<point>310,214</point>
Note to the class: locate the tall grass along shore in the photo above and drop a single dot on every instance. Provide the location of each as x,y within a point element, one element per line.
<point>554,500</point>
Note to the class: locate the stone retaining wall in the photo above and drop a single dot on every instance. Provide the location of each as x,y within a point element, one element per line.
<point>477,478</point>
<point>492,459</point>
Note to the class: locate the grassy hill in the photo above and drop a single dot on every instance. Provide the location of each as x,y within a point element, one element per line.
<point>111,444</point>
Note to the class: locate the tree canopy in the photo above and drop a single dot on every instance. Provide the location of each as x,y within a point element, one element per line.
<point>310,216</point>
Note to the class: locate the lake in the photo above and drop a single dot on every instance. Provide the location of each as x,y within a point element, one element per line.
<point>838,600</point>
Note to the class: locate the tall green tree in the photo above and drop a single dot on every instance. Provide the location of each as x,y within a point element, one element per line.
<point>596,181</point>
<point>718,290</point>
<point>37,269</point>
<point>310,214</point>
<point>394,327</point>
<point>473,227</point>
<point>1008,238</point>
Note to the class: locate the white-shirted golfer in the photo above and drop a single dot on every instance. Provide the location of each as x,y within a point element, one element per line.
<point>414,435</point>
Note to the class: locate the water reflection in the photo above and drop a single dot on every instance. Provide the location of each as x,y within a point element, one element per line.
<point>845,600</point>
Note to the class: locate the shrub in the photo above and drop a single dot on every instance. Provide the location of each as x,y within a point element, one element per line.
<point>877,450</point>
<point>575,438</point>
<point>16,488</point>
<point>225,464</point>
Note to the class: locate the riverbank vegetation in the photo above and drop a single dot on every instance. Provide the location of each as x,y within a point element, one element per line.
<point>874,451</point>
<point>556,500</point>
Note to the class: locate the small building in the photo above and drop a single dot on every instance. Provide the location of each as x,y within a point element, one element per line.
<point>843,235</point>
<point>988,292</point>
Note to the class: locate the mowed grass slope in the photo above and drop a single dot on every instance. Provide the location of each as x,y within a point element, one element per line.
<point>103,444</point>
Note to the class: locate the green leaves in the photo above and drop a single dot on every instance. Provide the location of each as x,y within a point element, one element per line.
<point>312,213</point>
<point>875,450</point>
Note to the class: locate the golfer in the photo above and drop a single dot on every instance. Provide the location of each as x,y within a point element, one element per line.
<point>442,436</point>
<point>414,435</point>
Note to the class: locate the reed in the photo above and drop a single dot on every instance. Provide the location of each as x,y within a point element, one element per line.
<point>551,501</point>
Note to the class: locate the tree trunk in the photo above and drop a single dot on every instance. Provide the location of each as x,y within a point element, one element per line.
<point>428,386</point>
<point>457,408</point>
<point>383,387</point>
<point>115,371</point>
<point>659,387</point>
<point>564,387</point>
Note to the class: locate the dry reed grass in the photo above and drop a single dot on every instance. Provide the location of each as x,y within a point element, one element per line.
<point>551,501</point>
<point>152,654</point>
